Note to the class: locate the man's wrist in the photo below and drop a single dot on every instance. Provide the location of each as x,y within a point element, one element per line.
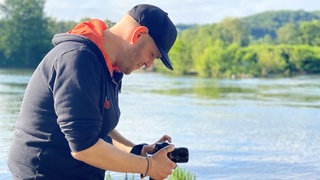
<point>137,149</point>
<point>148,169</point>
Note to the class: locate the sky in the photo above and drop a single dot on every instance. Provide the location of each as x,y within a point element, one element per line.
<point>180,11</point>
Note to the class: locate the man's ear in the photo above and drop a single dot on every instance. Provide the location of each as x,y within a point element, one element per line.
<point>137,32</point>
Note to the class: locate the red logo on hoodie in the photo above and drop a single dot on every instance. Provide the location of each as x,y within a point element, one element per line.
<point>106,103</point>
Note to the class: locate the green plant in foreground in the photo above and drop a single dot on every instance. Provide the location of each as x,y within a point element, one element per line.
<point>181,174</point>
<point>178,174</point>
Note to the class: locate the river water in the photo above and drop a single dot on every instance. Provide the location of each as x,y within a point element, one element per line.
<point>235,129</point>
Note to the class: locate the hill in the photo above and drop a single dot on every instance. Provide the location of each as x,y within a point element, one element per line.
<point>269,43</point>
<point>268,22</point>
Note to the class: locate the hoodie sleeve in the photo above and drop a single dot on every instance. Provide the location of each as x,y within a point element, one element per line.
<point>77,92</point>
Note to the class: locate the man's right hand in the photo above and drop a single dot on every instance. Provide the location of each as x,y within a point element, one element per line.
<point>161,165</point>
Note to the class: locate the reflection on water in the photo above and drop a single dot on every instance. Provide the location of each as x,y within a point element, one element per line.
<point>234,129</point>
<point>290,91</point>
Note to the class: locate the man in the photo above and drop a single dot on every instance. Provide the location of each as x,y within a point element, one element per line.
<point>68,116</point>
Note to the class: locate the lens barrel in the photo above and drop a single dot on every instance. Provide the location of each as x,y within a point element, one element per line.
<point>178,155</point>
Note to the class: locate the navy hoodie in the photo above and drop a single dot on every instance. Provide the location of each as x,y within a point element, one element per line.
<point>70,102</point>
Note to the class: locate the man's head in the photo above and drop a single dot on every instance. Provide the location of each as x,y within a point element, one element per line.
<point>160,28</point>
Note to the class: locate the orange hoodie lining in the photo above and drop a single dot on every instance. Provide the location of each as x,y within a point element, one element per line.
<point>93,30</point>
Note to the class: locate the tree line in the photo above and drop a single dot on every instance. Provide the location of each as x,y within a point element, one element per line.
<point>26,32</point>
<point>269,43</point>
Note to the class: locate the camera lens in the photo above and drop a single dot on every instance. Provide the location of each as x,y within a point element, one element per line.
<point>179,155</point>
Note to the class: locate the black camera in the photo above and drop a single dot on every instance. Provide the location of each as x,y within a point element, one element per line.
<point>178,155</point>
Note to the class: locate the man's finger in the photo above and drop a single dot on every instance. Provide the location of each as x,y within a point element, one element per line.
<point>165,138</point>
<point>169,148</point>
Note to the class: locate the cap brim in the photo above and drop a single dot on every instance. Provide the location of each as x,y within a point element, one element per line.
<point>165,59</point>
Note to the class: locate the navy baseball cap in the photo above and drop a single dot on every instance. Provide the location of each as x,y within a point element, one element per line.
<point>161,28</point>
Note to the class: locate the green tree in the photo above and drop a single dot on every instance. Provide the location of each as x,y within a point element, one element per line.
<point>109,23</point>
<point>24,34</point>
<point>280,43</point>
<point>287,34</point>
<point>268,22</point>
<point>309,33</point>
<point>198,39</point>
<point>247,58</point>
<point>232,30</point>
<point>230,63</point>
<point>209,63</point>
<point>270,60</point>
<point>181,59</point>
<point>60,26</point>
<point>305,59</point>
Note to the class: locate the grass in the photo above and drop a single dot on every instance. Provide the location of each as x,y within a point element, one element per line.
<point>178,174</point>
<point>181,174</point>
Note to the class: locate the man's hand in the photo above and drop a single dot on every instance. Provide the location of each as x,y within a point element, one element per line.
<point>161,165</point>
<point>149,149</point>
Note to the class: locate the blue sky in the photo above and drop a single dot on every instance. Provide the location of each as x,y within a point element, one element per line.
<point>180,11</point>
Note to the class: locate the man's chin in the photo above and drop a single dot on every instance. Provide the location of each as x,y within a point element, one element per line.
<point>127,72</point>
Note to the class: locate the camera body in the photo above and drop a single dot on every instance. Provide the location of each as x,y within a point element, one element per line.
<point>178,155</point>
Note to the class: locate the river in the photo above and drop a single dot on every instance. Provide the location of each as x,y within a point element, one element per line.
<point>251,128</point>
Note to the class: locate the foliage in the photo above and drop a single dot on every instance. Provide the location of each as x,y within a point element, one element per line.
<point>24,33</point>
<point>309,33</point>
<point>288,44</point>
<point>177,53</point>
<point>59,26</point>
<point>287,34</point>
<point>267,23</point>
<point>233,30</point>
<point>180,173</point>
<point>265,44</point>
